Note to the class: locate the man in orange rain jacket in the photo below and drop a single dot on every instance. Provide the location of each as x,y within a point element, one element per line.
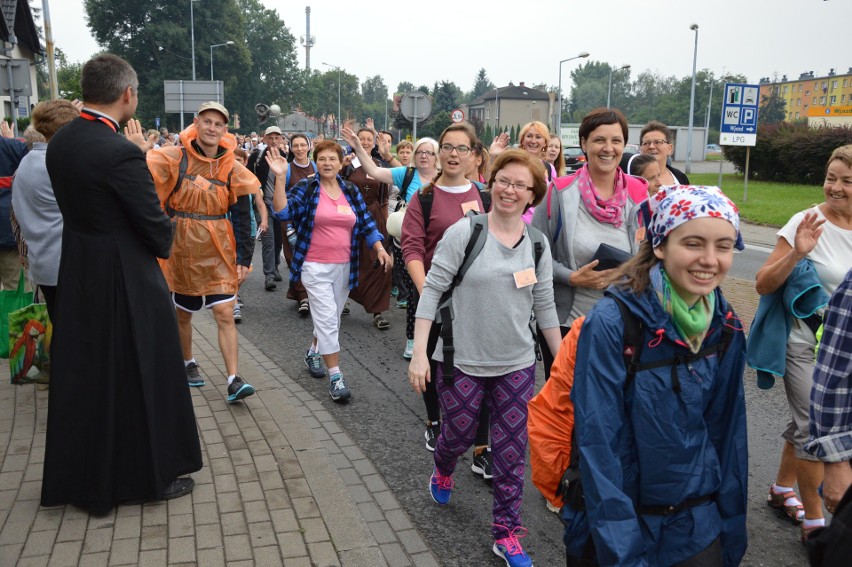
<point>197,183</point>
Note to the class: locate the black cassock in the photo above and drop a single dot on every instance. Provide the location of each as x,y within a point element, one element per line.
<point>120,426</point>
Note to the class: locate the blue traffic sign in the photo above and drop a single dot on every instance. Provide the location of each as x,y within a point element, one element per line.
<point>739,115</point>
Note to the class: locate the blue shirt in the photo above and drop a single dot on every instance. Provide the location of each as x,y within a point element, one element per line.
<point>398,174</point>
<point>301,209</point>
<point>831,394</point>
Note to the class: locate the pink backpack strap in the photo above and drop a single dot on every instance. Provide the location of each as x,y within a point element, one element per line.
<point>558,183</point>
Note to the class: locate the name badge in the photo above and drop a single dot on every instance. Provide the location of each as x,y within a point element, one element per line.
<point>344,210</point>
<point>640,234</point>
<point>470,206</point>
<point>356,163</point>
<point>525,278</point>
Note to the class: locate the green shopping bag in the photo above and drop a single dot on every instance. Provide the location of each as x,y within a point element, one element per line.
<point>12,300</point>
<point>30,332</point>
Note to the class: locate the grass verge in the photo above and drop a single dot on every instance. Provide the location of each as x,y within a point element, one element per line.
<point>768,203</point>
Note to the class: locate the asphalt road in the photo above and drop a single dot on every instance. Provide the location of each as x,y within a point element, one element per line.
<point>386,418</point>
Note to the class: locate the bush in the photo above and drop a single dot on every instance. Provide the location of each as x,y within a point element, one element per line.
<point>790,152</point>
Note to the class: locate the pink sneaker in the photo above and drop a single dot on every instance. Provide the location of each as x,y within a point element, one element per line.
<point>509,548</point>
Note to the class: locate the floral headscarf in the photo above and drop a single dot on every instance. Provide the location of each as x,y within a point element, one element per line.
<point>676,205</point>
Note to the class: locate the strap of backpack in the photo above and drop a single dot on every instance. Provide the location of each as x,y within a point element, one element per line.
<point>406,181</point>
<point>184,163</point>
<point>471,251</point>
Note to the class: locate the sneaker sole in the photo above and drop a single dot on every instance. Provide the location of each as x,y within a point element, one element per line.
<point>481,472</point>
<point>245,391</point>
<point>407,356</point>
<point>429,447</point>
<point>196,383</point>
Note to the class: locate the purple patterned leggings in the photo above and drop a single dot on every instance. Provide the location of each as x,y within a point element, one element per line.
<point>507,397</point>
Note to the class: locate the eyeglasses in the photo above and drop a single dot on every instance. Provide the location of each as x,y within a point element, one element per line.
<point>505,184</point>
<point>424,153</point>
<point>448,149</point>
<point>658,143</point>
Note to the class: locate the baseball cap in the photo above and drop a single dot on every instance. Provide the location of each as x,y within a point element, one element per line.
<point>211,105</point>
<point>272,130</point>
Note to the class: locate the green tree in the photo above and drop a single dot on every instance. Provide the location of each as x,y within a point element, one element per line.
<point>273,75</point>
<point>374,90</point>
<point>404,87</point>
<point>481,85</point>
<point>153,37</point>
<point>446,96</point>
<point>773,109</point>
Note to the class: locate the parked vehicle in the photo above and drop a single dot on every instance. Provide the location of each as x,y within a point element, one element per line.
<point>713,148</point>
<point>574,158</point>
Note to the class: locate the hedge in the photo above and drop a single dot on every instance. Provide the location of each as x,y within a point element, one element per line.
<point>790,152</point>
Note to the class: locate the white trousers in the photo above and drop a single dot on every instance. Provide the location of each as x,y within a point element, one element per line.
<point>328,288</point>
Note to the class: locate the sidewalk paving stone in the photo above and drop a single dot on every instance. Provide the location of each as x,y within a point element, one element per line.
<point>281,485</point>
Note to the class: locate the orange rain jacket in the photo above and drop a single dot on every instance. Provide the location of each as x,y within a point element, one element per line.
<point>203,259</point>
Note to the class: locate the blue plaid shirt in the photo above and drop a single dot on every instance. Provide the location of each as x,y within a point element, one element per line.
<point>831,395</point>
<point>302,202</point>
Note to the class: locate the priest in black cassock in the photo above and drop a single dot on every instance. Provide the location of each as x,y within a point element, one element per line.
<point>120,426</point>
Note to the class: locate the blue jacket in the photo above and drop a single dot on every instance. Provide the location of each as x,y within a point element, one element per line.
<point>648,445</point>
<point>800,296</point>
<point>12,151</point>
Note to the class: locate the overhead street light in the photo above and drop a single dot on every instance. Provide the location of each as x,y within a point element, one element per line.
<point>211,54</point>
<point>558,122</point>
<point>693,27</point>
<point>609,86</point>
<point>337,116</point>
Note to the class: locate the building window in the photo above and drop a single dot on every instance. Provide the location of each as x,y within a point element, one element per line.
<point>798,102</point>
<point>833,99</point>
<point>834,84</point>
<point>813,101</point>
<point>843,98</point>
<point>844,83</point>
<point>824,85</point>
<point>800,88</point>
<point>797,116</point>
<point>822,100</point>
<point>816,85</point>
<point>488,113</point>
<point>784,90</point>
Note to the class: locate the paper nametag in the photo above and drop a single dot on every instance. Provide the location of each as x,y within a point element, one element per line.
<point>470,206</point>
<point>525,278</point>
<point>356,163</point>
<point>640,234</point>
<point>344,210</point>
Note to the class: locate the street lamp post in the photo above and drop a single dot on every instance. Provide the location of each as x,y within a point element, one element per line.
<point>688,168</point>
<point>337,117</point>
<point>609,86</point>
<point>558,121</point>
<point>211,54</point>
<point>192,31</point>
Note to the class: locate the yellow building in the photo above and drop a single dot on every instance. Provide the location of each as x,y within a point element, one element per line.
<point>807,93</point>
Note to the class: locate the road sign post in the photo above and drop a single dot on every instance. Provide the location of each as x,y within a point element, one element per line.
<point>739,120</point>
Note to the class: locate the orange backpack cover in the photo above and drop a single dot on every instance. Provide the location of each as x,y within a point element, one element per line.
<point>551,420</point>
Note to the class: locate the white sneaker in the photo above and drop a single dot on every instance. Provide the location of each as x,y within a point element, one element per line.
<point>409,349</point>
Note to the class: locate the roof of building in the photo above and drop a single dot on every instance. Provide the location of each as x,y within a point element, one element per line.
<point>511,92</point>
<point>25,28</point>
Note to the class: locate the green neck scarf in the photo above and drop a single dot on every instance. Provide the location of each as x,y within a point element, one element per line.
<point>692,323</point>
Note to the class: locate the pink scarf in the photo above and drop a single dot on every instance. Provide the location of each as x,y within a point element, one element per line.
<point>605,211</point>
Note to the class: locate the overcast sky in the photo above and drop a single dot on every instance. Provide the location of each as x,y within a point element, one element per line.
<point>427,41</point>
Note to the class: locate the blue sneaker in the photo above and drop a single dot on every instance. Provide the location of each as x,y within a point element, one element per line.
<point>313,360</point>
<point>402,303</point>
<point>510,550</point>
<point>238,389</point>
<point>441,487</point>
<point>394,291</point>
<point>337,388</point>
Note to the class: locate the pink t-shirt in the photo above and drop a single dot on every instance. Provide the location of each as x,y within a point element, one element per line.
<point>331,240</point>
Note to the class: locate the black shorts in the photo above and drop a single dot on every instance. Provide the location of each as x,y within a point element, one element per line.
<point>195,303</point>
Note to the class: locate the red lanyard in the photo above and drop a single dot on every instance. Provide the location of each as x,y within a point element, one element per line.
<point>95,118</point>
